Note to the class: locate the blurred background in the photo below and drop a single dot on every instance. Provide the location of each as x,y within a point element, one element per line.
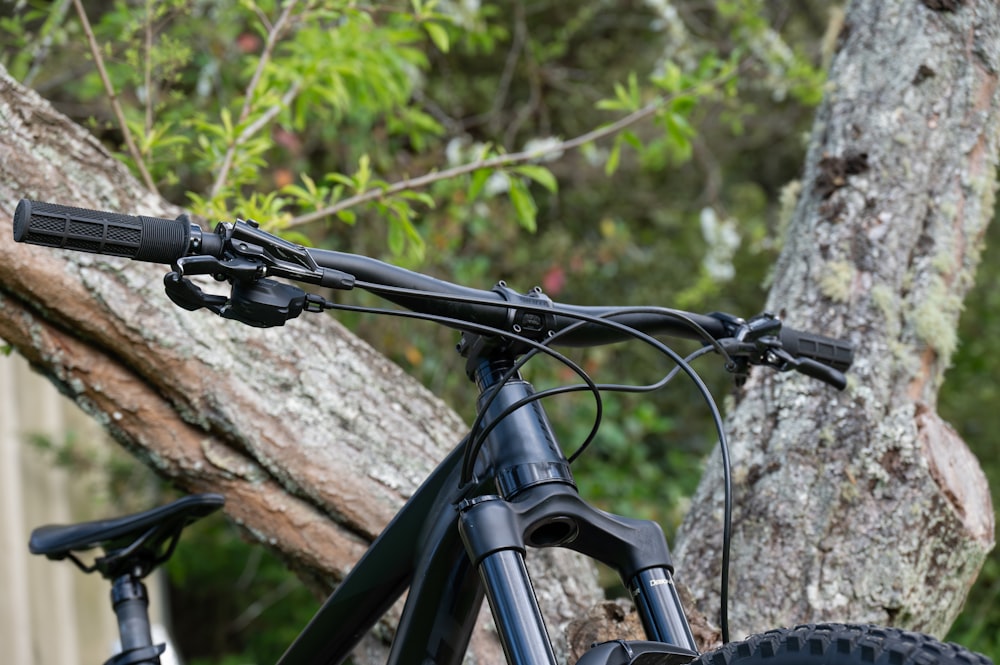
<point>686,210</point>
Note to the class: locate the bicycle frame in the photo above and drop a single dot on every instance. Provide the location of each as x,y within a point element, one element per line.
<point>453,544</point>
<point>464,534</point>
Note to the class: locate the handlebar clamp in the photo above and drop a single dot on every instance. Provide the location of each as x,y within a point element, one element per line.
<point>528,323</point>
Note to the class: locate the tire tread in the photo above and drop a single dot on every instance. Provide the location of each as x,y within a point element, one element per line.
<point>841,644</point>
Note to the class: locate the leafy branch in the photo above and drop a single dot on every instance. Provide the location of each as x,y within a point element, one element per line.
<point>502,161</point>
<point>274,34</point>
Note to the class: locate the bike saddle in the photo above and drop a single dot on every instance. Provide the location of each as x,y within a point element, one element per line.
<point>133,542</point>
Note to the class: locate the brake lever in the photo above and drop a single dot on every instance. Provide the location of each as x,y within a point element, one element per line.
<point>767,351</point>
<point>785,362</point>
<point>277,257</point>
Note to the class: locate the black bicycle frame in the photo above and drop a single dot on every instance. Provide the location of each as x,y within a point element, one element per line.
<point>453,544</point>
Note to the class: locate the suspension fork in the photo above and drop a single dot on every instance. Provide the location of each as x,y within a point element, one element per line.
<point>538,505</point>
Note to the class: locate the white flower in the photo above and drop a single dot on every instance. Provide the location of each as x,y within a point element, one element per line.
<point>723,239</point>
<point>497,183</point>
<point>543,149</point>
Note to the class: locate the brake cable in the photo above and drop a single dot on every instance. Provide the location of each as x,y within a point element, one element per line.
<point>682,364</point>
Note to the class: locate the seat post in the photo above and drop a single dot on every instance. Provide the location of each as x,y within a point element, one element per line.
<point>131,605</point>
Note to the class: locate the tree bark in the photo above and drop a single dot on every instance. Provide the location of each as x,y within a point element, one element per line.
<point>865,505</point>
<point>315,439</point>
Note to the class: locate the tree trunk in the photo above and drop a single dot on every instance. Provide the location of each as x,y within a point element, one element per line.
<point>865,505</point>
<point>314,438</point>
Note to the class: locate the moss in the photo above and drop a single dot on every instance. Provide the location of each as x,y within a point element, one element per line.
<point>944,261</point>
<point>934,318</point>
<point>886,301</point>
<point>787,201</point>
<point>836,281</point>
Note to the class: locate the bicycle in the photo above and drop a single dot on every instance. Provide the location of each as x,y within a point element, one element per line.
<point>506,487</point>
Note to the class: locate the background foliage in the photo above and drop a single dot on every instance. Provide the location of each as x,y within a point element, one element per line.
<point>610,151</point>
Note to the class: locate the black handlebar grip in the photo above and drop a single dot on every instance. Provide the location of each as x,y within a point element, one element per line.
<point>141,238</point>
<point>827,350</point>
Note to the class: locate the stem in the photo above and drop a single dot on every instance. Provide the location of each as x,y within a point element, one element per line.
<point>115,106</point>
<point>272,39</point>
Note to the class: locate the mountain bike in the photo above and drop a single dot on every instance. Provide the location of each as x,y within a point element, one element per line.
<point>505,488</point>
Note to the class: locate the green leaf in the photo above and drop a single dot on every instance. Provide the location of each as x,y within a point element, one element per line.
<point>438,35</point>
<point>420,197</point>
<point>683,104</point>
<point>635,93</point>
<point>612,164</point>
<point>478,181</point>
<point>298,192</point>
<point>362,177</point>
<point>610,105</point>
<point>397,237</point>
<point>228,131</point>
<point>524,205</point>
<point>347,216</point>
<point>310,185</point>
<point>672,77</point>
<point>678,129</point>
<point>623,96</point>
<point>539,174</point>
<point>341,179</point>
<point>632,140</point>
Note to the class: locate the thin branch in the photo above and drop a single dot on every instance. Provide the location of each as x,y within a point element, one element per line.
<point>149,66</point>
<point>269,115</point>
<point>273,35</point>
<point>115,106</point>
<point>261,605</point>
<point>491,163</point>
<point>535,98</point>
<point>499,161</point>
<point>510,64</point>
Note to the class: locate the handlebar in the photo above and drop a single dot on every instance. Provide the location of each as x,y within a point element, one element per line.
<point>247,256</point>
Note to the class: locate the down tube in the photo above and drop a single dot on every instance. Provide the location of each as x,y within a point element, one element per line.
<point>382,574</point>
<point>444,599</point>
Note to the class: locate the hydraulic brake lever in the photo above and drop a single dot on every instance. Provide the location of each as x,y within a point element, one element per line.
<point>277,257</point>
<point>757,341</point>
<point>246,258</point>
<point>783,361</point>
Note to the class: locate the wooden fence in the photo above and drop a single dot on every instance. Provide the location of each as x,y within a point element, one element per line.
<point>50,613</point>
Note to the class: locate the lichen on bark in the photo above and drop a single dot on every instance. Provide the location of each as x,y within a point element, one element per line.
<point>847,490</point>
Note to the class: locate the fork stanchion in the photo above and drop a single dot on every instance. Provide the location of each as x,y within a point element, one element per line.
<point>493,538</point>
<point>659,608</point>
